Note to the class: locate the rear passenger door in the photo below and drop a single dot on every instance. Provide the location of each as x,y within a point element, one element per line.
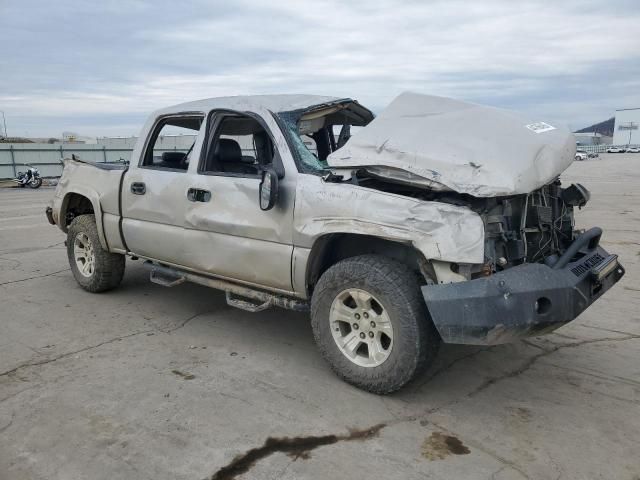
<point>154,191</point>
<point>226,232</point>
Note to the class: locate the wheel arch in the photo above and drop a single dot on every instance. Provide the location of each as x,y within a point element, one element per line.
<point>81,201</point>
<point>330,248</point>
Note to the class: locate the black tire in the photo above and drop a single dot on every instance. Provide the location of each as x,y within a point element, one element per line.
<point>108,268</point>
<point>37,184</point>
<point>395,286</point>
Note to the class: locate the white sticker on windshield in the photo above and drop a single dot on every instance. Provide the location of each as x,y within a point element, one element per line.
<point>540,127</point>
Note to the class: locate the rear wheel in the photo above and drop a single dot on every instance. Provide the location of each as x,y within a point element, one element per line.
<point>371,324</point>
<point>94,268</point>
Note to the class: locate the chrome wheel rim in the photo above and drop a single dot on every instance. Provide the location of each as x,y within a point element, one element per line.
<point>361,327</point>
<point>84,255</point>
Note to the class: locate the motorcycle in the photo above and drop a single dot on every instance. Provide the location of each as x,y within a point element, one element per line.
<point>31,178</point>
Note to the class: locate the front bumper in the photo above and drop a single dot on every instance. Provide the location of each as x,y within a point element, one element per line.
<point>522,301</point>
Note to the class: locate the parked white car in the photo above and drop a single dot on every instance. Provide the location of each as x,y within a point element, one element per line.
<point>615,150</point>
<point>581,156</point>
<point>633,150</point>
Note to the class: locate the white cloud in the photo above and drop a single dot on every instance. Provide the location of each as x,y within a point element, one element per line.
<point>573,62</point>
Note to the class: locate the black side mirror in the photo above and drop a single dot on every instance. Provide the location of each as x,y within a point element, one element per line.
<point>268,189</point>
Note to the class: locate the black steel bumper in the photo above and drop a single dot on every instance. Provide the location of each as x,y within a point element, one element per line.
<point>522,301</point>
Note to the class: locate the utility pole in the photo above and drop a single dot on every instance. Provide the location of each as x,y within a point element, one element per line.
<point>4,122</point>
<point>631,126</point>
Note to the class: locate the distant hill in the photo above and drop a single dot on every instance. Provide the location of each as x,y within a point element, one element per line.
<point>604,128</point>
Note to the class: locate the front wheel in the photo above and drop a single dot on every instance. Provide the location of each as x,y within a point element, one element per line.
<point>35,182</point>
<point>371,324</point>
<point>94,268</point>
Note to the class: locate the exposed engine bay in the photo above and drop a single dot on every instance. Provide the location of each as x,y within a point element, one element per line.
<point>533,228</point>
<point>529,228</point>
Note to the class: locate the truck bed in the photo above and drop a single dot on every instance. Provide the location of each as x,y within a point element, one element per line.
<point>103,165</point>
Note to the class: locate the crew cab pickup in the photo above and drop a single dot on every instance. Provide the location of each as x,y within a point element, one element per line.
<point>436,221</point>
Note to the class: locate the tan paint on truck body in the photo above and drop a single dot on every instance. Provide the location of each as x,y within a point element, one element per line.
<point>438,230</point>
<point>231,237</point>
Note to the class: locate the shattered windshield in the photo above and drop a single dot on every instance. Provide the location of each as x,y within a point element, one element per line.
<point>305,151</point>
<point>317,132</point>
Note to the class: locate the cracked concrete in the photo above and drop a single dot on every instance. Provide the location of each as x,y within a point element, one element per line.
<point>545,353</point>
<point>75,352</point>
<point>31,278</point>
<point>87,389</point>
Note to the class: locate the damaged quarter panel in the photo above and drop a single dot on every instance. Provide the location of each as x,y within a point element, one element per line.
<point>440,231</point>
<point>83,179</point>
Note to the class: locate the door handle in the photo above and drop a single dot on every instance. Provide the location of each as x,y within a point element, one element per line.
<point>138,188</point>
<point>198,195</point>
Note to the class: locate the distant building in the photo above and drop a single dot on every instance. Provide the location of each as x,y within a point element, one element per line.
<point>626,130</point>
<point>164,142</point>
<point>591,138</point>
<point>117,142</point>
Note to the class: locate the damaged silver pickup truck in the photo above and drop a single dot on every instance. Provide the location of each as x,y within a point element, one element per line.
<point>437,221</point>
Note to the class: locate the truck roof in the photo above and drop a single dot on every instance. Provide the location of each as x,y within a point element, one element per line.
<point>274,103</point>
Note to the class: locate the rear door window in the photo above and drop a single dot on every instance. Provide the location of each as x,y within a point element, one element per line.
<point>171,143</point>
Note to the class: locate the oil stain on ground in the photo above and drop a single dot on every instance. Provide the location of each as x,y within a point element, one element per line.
<point>294,447</point>
<point>439,446</point>
<point>185,375</point>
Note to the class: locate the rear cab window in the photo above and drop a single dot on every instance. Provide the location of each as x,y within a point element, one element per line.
<point>171,142</point>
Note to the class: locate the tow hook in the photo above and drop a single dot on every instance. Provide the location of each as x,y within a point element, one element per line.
<point>589,239</point>
<point>49,213</point>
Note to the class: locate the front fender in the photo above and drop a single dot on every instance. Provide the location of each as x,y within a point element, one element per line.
<point>440,231</point>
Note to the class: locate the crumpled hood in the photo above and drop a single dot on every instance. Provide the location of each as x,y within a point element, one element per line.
<point>447,144</point>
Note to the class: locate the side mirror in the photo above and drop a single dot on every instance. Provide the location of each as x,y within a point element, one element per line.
<point>268,189</point>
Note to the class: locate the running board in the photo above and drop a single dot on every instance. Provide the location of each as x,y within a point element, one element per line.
<point>170,277</point>
<point>246,304</point>
<point>165,279</point>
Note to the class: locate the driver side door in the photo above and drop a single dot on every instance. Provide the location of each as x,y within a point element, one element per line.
<point>226,232</point>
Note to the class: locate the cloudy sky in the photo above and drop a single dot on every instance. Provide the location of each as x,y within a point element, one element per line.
<point>98,68</point>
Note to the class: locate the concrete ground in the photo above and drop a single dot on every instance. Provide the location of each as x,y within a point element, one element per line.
<point>147,382</point>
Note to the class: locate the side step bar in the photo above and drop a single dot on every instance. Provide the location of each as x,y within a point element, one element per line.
<point>164,279</point>
<point>246,305</point>
<point>170,277</point>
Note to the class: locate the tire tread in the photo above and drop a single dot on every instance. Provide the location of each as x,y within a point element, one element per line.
<point>402,293</point>
<point>109,266</point>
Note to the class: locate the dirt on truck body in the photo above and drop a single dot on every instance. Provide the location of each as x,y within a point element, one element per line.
<point>396,237</point>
